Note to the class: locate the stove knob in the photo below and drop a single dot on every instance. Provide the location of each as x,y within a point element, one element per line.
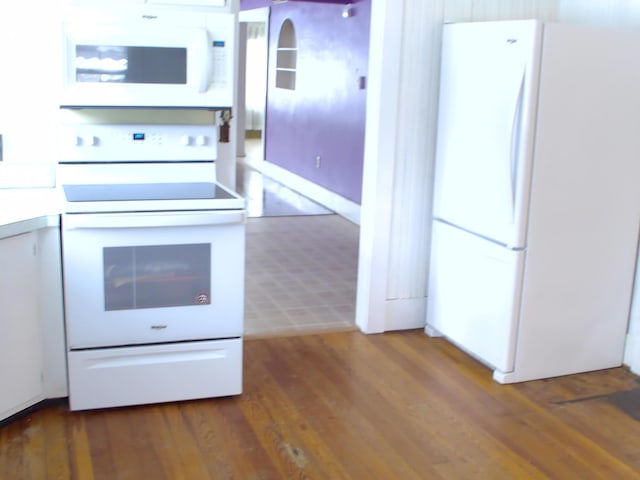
<point>201,140</point>
<point>185,140</point>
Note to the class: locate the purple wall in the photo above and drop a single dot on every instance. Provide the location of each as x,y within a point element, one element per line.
<point>325,115</point>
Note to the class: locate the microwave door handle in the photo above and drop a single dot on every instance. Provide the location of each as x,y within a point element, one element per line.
<point>204,74</point>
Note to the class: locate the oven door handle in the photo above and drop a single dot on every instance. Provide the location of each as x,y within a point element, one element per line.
<point>152,220</point>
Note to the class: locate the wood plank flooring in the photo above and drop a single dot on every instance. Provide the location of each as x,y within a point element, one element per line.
<point>346,406</point>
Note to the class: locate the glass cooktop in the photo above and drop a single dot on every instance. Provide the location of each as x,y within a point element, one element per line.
<point>131,192</point>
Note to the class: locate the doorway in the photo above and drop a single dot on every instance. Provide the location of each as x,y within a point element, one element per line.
<point>301,258</point>
<point>252,83</point>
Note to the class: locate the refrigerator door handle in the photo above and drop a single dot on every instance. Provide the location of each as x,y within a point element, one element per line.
<point>516,127</point>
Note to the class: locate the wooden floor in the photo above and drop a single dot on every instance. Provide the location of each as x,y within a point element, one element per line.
<point>346,405</point>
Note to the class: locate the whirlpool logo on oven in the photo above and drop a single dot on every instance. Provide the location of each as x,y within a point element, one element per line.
<point>203,299</point>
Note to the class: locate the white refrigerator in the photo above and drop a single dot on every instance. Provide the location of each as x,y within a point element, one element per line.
<point>536,196</point>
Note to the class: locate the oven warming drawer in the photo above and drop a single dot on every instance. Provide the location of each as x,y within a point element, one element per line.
<point>112,377</point>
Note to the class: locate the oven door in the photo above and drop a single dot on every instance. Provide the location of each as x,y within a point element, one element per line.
<point>147,278</point>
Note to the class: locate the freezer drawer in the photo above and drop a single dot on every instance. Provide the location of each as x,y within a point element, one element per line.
<point>474,295</point>
<point>113,377</point>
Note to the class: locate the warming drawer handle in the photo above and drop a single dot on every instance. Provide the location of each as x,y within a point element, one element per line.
<point>151,220</point>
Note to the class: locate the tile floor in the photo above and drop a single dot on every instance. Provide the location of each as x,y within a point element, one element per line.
<point>301,262</point>
<point>301,274</point>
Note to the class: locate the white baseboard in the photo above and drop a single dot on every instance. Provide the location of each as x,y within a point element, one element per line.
<point>331,200</point>
<point>632,353</point>
<point>405,313</point>
<point>23,406</point>
<point>432,332</point>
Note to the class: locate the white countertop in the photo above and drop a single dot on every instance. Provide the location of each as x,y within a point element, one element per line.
<point>25,209</point>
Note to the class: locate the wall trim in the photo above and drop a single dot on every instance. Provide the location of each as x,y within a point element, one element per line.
<point>31,408</point>
<point>405,313</point>
<point>380,151</point>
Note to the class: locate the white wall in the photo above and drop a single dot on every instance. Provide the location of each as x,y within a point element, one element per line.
<point>29,62</point>
<point>621,14</point>
<point>400,145</point>
<point>605,13</point>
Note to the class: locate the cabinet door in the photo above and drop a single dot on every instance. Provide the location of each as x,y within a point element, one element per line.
<point>20,332</point>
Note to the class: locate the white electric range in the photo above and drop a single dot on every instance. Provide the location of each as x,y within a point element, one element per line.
<point>153,262</point>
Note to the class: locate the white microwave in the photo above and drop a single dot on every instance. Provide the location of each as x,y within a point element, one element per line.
<point>148,57</point>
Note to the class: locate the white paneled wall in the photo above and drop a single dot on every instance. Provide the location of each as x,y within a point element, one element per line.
<point>400,144</point>
<point>410,226</point>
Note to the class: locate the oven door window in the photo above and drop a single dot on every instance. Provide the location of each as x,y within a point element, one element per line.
<point>130,64</point>
<point>156,276</point>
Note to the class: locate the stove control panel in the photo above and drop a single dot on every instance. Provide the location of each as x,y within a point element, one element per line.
<point>138,143</point>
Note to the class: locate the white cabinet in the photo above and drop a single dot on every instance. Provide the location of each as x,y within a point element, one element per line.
<point>32,344</point>
<point>52,310</point>
<point>21,346</point>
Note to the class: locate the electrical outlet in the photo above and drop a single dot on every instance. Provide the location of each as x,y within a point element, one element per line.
<point>318,161</point>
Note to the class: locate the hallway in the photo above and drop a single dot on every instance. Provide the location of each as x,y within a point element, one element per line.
<point>301,261</point>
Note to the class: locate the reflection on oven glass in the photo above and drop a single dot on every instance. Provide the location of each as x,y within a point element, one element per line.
<point>156,276</point>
